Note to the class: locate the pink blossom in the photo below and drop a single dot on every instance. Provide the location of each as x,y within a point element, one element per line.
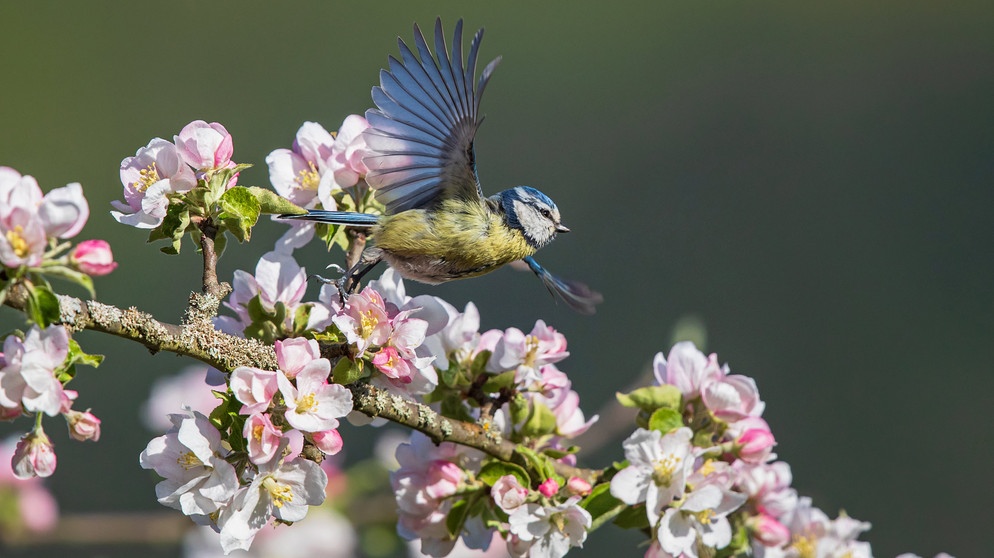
<point>297,173</point>
<point>34,455</point>
<point>548,488</point>
<point>686,368</point>
<point>328,441</point>
<point>348,152</point>
<point>295,353</point>
<point>544,345</point>
<point>64,211</point>
<point>768,531</point>
<point>364,320</point>
<point>83,426</point>
<point>22,238</point>
<point>263,438</point>
<point>204,146</point>
<point>254,388</point>
<point>314,405</point>
<point>443,479</point>
<point>754,445</point>
<point>389,362</point>
<point>93,257</point>
<point>732,397</point>
<point>149,177</point>
<point>578,487</point>
<point>27,379</point>
<point>508,493</point>
<point>278,279</point>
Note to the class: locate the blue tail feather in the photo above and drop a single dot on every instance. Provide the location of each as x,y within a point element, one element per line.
<point>576,295</point>
<point>336,217</point>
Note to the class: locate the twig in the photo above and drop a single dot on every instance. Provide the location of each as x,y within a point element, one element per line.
<point>208,232</point>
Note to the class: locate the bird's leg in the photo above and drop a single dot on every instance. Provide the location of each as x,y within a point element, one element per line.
<point>350,282</point>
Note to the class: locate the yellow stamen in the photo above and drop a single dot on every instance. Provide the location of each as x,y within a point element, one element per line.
<point>257,431</point>
<point>188,461</point>
<point>532,343</point>
<point>306,404</point>
<point>17,241</point>
<point>147,177</point>
<point>804,546</point>
<point>662,472</point>
<point>309,178</point>
<point>708,467</point>
<point>280,493</point>
<point>367,322</point>
<point>705,517</point>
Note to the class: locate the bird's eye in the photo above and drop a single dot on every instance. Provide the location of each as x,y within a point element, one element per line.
<point>545,213</point>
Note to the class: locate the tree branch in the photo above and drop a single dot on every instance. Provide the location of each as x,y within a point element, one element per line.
<point>208,232</point>
<point>197,338</point>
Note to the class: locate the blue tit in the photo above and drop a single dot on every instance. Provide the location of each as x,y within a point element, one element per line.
<point>437,225</point>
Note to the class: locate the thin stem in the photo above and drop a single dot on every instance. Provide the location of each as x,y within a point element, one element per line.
<point>208,232</point>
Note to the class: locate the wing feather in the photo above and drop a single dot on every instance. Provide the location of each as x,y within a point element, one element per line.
<point>421,134</point>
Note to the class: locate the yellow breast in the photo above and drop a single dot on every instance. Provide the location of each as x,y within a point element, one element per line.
<point>463,239</point>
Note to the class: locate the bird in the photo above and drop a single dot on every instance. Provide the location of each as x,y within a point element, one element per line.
<point>437,225</point>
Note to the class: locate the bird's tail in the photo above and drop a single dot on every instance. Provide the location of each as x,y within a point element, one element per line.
<point>576,295</point>
<point>335,217</point>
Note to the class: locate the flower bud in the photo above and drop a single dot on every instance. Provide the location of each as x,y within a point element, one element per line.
<point>754,445</point>
<point>328,441</point>
<point>769,531</point>
<point>93,257</point>
<point>508,493</point>
<point>204,146</point>
<point>34,456</point>
<point>443,479</point>
<point>577,486</point>
<point>83,426</point>
<point>549,488</point>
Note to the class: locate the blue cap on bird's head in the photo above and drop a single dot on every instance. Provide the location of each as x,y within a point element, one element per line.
<point>533,213</point>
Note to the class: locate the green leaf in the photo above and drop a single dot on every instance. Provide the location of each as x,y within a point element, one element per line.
<point>600,501</point>
<point>239,212</point>
<point>347,371</point>
<point>540,421</point>
<point>665,420</point>
<point>174,226</point>
<point>480,363</point>
<point>69,274</point>
<point>272,203</point>
<point>454,408</point>
<point>633,518</point>
<point>504,380</point>
<point>42,305</point>
<point>493,471</point>
<point>519,409</point>
<point>457,516</point>
<point>77,355</point>
<point>450,376</point>
<point>652,398</point>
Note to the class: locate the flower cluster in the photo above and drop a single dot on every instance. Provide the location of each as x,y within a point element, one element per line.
<point>163,168</point>
<point>703,470</point>
<point>321,170</point>
<point>32,223</point>
<point>33,371</point>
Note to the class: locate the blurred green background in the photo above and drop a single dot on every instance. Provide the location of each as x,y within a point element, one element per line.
<point>814,181</point>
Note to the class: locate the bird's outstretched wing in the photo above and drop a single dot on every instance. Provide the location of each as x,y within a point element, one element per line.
<point>421,135</point>
<point>576,295</point>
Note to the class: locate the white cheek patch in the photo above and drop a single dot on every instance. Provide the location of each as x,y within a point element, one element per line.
<point>534,225</point>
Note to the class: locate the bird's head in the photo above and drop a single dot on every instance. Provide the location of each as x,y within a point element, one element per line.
<point>533,213</point>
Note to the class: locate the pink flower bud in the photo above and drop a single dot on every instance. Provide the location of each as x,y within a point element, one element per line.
<point>328,441</point>
<point>769,531</point>
<point>754,445</point>
<point>83,426</point>
<point>549,488</point>
<point>93,257</point>
<point>508,493</point>
<point>34,456</point>
<point>577,486</point>
<point>443,479</point>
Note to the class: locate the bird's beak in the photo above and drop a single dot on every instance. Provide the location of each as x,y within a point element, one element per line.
<point>561,228</point>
